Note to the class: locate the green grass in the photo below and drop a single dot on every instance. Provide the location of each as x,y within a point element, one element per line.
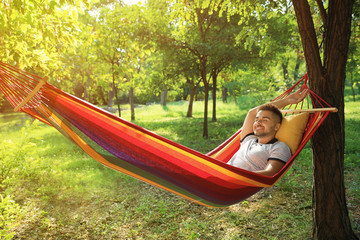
<point>50,189</point>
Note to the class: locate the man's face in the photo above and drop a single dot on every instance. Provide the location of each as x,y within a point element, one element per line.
<point>266,124</point>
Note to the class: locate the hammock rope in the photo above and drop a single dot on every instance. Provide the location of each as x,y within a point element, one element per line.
<point>128,148</point>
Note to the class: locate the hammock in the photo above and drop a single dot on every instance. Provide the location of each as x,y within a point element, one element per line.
<point>123,146</point>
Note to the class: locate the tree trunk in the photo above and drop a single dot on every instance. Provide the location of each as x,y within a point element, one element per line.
<point>330,213</point>
<point>285,66</point>
<point>224,94</point>
<point>193,87</point>
<point>191,101</point>
<point>116,93</point>
<point>214,77</point>
<point>206,105</point>
<point>132,103</point>
<point>206,100</point>
<point>296,70</point>
<point>285,70</point>
<point>163,97</point>
<point>111,98</point>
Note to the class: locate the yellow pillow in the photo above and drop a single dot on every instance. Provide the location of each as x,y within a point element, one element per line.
<point>292,129</point>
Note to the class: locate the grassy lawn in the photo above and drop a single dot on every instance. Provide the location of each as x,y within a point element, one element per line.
<point>50,189</point>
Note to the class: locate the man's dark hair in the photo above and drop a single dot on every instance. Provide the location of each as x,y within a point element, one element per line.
<point>272,108</point>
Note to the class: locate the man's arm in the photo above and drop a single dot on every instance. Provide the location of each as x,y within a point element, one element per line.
<point>294,98</point>
<point>272,167</point>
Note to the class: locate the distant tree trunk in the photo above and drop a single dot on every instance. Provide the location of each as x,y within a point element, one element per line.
<point>115,91</point>
<point>111,97</point>
<point>297,67</point>
<point>285,70</point>
<point>203,61</point>
<point>330,213</point>
<point>214,78</point>
<point>193,87</point>
<point>206,105</point>
<point>284,66</point>
<point>163,96</point>
<point>190,107</point>
<point>224,94</point>
<point>132,103</point>
<point>191,101</point>
<point>101,95</point>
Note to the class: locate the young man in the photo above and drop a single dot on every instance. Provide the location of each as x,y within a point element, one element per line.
<point>260,151</point>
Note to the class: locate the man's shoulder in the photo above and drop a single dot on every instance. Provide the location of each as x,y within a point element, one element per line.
<point>281,145</point>
<point>248,137</point>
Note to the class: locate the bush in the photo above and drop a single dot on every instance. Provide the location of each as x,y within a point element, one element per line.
<point>9,213</point>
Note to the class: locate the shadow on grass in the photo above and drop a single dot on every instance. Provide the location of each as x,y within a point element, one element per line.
<point>165,108</point>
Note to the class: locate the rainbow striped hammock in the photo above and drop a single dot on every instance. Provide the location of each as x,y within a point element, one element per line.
<point>123,146</point>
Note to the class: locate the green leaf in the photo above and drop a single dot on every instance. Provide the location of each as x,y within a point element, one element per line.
<point>75,15</point>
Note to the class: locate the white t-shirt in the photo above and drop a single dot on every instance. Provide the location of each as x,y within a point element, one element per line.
<point>253,156</point>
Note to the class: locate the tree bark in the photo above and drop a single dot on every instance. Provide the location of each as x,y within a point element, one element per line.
<point>191,101</point>
<point>132,103</point>
<point>214,78</point>
<point>206,100</point>
<point>110,97</point>
<point>163,96</point>
<point>330,213</point>
<point>193,87</point>
<point>285,70</point>
<point>206,107</point>
<point>116,92</point>
<point>224,94</point>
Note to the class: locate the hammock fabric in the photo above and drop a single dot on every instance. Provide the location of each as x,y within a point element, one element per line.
<point>142,154</point>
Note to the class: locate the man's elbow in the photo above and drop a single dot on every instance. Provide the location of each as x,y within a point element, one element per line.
<point>253,111</point>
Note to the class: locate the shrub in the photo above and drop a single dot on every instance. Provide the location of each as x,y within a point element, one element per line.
<point>9,213</point>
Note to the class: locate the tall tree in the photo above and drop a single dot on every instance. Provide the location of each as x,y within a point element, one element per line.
<point>175,62</point>
<point>79,62</point>
<point>194,26</point>
<point>201,30</point>
<point>33,33</point>
<point>327,78</point>
<point>110,43</point>
<point>226,52</point>
<point>326,57</point>
<point>119,29</point>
